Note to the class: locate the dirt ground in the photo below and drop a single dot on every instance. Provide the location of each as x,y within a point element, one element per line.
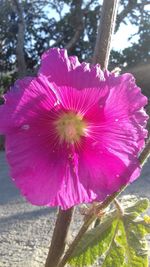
<point>26,230</point>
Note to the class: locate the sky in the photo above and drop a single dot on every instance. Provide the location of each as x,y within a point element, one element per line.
<point>120,40</point>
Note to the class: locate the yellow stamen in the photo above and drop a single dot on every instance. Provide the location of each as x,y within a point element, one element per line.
<point>70,127</point>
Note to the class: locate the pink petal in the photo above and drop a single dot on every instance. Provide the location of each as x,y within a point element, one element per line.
<point>124,116</point>
<point>125,93</point>
<point>50,180</point>
<point>80,101</point>
<point>103,172</point>
<point>72,191</point>
<point>27,99</point>
<point>64,70</point>
<point>37,166</point>
<point>105,158</point>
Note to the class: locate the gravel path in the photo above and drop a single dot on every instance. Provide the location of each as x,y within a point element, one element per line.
<point>25,230</point>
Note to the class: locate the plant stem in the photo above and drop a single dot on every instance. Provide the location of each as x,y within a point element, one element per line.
<point>60,233</point>
<point>90,218</point>
<point>145,153</point>
<point>101,55</point>
<point>118,207</point>
<point>105,32</point>
<point>142,158</point>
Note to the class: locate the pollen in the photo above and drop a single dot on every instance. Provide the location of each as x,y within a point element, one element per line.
<point>70,127</point>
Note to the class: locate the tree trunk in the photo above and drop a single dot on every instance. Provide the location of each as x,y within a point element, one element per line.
<point>21,64</point>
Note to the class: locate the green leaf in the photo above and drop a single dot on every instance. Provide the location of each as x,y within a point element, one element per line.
<point>94,243</point>
<point>115,253</point>
<point>132,240</point>
<point>134,204</point>
<point>119,240</point>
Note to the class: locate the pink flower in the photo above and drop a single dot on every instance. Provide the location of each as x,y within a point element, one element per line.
<point>73,133</point>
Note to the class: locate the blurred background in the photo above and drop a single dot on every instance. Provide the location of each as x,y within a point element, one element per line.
<point>29,27</point>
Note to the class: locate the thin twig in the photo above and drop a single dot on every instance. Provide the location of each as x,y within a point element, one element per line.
<point>145,153</point>
<point>118,207</point>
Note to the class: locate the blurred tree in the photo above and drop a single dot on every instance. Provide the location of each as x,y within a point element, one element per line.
<point>29,27</point>
<point>139,15</point>
<point>20,58</point>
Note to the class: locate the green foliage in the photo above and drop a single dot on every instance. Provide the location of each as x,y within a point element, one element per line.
<point>92,244</point>
<point>133,204</point>
<point>5,82</point>
<point>119,240</point>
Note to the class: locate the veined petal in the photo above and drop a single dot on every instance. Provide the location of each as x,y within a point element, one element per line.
<point>79,100</point>
<point>27,99</point>
<point>123,119</point>
<point>125,94</point>
<point>58,158</point>
<point>37,165</point>
<point>68,71</point>
<point>108,171</point>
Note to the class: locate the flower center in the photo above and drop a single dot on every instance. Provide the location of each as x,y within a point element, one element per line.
<point>70,127</point>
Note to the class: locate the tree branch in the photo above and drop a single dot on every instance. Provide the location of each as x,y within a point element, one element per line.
<point>88,5</point>
<point>127,10</point>
<point>123,14</point>
<point>77,23</point>
<point>75,38</point>
<point>59,40</point>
